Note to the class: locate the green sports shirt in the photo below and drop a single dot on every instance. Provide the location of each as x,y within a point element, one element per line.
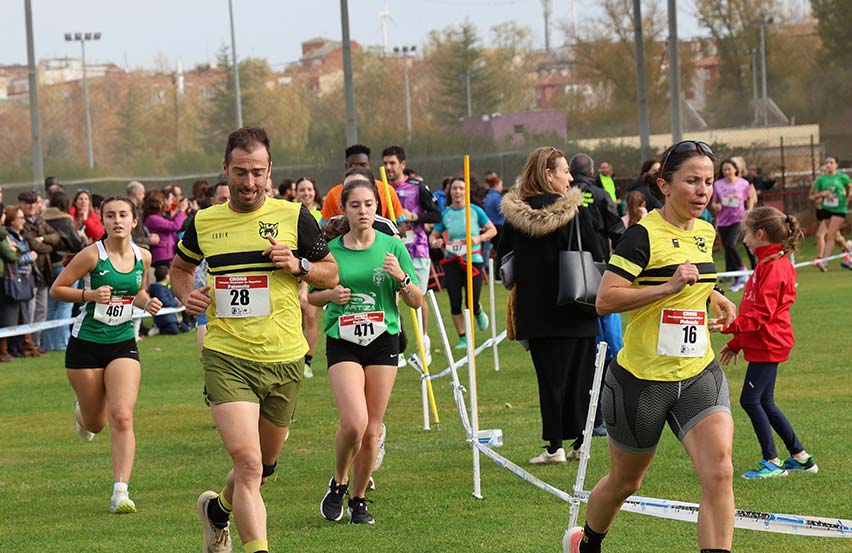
<point>836,185</point>
<point>112,323</point>
<point>372,288</point>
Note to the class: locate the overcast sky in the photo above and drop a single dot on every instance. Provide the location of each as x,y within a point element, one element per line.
<point>136,33</point>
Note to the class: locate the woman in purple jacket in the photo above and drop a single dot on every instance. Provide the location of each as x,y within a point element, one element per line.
<point>154,210</point>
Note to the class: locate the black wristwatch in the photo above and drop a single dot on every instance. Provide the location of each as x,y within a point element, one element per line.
<point>304,267</point>
<point>404,282</point>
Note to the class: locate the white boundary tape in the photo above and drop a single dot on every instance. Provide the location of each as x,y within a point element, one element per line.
<point>44,325</point>
<point>796,265</point>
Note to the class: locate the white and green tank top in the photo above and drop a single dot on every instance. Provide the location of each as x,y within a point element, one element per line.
<point>110,323</point>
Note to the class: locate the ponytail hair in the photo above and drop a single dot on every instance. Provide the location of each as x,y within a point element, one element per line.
<point>778,227</point>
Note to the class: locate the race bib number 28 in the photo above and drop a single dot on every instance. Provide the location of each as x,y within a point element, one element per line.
<point>683,333</point>
<point>240,296</point>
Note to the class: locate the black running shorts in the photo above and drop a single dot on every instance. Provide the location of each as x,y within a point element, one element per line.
<point>384,350</point>
<point>82,354</point>
<point>636,410</point>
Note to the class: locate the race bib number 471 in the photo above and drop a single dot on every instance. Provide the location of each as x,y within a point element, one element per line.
<point>241,296</point>
<point>362,328</point>
<point>683,333</point>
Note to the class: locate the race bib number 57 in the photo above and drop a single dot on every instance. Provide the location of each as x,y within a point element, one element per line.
<point>240,296</point>
<point>683,333</point>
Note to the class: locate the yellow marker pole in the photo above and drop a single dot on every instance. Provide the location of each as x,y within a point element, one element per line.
<point>469,254</point>
<point>414,321</point>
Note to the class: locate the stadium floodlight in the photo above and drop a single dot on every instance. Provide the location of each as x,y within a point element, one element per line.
<point>82,38</point>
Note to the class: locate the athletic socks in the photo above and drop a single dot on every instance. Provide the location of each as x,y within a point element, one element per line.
<point>256,546</point>
<point>119,487</point>
<point>219,511</point>
<point>554,446</point>
<point>591,542</point>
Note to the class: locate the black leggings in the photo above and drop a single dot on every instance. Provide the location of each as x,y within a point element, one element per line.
<point>730,235</point>
<point>455,279</point>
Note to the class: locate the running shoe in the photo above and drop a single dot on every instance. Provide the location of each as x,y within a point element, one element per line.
<point>573,455</point>
<point>331,506</point>
<point>821,265</point>
<point>482,320</point>
<point>216,540</point>
<point>308,372</point>
<point>545,458</point>
<point>381,454</point>
<point>765,469</point>
<point>462,343</point>
<point>401,362</point>
<point>358,513</point>
<point>84,434</point>
<point>846,264</point>
<point>794,466</point>
<point>121,504</point>
<point>571,540</point>
<point>371,483</point>
<point>427,348</point>
<point>738,284</point>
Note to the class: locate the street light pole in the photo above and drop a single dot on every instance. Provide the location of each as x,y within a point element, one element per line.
<point>753,53</point>
<point>674,73</point>
<point>405,50</point>
<point>237,100</point>
<point>348,83</point>
<point>82,38</point>
<point>467,88</point>
<point>641,97</point>
<point>35,117</point>
<point>763,23</point>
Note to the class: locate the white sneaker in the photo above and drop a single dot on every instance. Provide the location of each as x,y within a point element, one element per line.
<point>401,362</point>
<point>121,504</point>
<point>371,483</point>
<point>216,540</point>
<point>427,347</point>
<point>308,372</point>
<point>573,455</point>
<point>381,455</point>
<point>84,434</point>
<point>545,458</point>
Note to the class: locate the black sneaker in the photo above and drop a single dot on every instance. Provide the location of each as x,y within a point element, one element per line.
<point>331,506</point>
<point>358,511</point>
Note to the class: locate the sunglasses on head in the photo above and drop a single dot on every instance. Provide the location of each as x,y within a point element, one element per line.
<point>686,146</point>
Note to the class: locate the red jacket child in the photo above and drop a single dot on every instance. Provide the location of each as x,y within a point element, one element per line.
<point>762,329</point>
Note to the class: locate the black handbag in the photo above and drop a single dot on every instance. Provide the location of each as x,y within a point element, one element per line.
<point>17,287</point>
<point>579,275</point>
<point>507,270</point>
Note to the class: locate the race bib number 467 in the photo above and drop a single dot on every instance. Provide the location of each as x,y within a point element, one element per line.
<point>119,310</point>
<point>683,333</point>
<point>241,296</point>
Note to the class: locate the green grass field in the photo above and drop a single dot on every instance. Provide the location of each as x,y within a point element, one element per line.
<point>54,489</point>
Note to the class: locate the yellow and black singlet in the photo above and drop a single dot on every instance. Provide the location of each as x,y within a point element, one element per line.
<point>667,340</point>
<point>254,312</point>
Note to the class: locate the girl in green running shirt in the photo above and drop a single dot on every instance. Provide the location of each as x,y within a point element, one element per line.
<point>102,360</point>
<point>362,342</point>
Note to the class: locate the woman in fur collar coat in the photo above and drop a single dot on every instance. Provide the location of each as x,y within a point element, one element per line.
<point>539,212</point>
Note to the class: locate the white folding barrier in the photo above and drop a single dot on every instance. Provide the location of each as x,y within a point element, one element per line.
<point>44,325</point>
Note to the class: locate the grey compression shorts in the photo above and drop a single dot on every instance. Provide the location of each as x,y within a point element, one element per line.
<point>635,410</point>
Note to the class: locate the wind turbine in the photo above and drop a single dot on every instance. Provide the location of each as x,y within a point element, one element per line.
<point>384,16</point>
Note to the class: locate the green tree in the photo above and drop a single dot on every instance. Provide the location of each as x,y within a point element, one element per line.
<point>455,54</point>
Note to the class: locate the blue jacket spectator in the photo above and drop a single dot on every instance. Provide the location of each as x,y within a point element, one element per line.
<point>167,324</point>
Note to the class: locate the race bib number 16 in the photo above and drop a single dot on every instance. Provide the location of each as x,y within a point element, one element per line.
<point>683,333</point>
<point>241,296</point>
